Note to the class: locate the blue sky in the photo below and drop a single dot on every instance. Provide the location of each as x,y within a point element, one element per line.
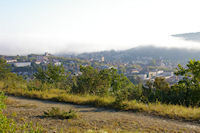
<point>36,26</point>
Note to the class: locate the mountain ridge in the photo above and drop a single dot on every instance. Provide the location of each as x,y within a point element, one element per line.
<point>171,54</point>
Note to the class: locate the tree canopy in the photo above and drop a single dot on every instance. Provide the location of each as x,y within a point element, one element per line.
<point>4,68</point>
<point>51,74</point>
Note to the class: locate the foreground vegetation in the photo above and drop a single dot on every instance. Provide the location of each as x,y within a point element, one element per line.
<point>57,113</point>
<point>106,88</point>
<point>165,110</point>
<point>10,126</point>
<point>91,119</point>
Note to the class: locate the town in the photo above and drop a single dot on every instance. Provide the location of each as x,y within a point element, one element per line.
<point>138,71</point>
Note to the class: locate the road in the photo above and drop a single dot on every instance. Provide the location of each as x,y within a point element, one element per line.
<point>91,118</point>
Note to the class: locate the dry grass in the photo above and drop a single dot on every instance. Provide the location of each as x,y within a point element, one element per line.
<point>164,110</point>
<point>94,120</point>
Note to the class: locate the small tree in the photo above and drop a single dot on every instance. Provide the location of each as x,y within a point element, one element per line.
<point>190,84</point>
<point>161,84</point>
<point>156,90</point>
<point>52,74</point>
<point>92,81</point>
<point>4,69</point>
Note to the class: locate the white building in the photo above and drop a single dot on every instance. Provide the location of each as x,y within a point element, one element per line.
<point>22,64</point>
<point>57,63</point>
<point>11,60</point>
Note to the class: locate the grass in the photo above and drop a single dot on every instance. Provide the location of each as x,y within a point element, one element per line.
<point>89,121</point>
<point>163,110</point>
<point>60,114</point>
<point>8,125</point>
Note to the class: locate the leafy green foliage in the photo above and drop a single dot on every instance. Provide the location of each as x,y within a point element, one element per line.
<point>189,86</point>
<point>185,92</point>
<point>124,89</point>
<point>156,90</point>
<point>4,68</point>
<point>52,74</point>
<point>161,84</point>
<point>108,82</point>
<point>192,71</point>
<point>92,81</point>
<point>104,82</point>
<point>38,85</point>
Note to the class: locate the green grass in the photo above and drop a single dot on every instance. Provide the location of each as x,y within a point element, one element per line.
<point>158,109</point>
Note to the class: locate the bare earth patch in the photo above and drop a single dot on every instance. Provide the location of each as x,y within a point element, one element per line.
<point>90,118</point>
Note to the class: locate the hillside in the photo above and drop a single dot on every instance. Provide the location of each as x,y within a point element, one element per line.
<point>172,54</point>
<point>92,119</point>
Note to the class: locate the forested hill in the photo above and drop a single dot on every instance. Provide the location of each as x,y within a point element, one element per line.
<point>172,54</point>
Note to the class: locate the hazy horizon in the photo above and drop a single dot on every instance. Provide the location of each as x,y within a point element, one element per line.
<point>85,26</point>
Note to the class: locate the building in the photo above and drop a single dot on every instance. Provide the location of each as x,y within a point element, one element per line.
<point>22,64</point>
<point>57,63</point>
<point>11,60</point>
<point>133,71</point>
<point>37,62</point>
<point>152,74</point>
<point>102,59</point>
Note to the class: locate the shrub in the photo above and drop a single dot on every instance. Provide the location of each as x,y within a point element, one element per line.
<point>60,114</point>
<point>38,85</point>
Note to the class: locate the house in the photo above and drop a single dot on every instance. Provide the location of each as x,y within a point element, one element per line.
<point>159,72</point>
<point>11,60</point>
<point>152,74</point>
<point>57,63</point>
<point>102,59</point>
<point>133,71</point>
<point>22,64</point>
<point>37,62</point>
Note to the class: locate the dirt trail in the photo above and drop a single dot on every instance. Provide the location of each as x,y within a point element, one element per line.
<point>92,118</point>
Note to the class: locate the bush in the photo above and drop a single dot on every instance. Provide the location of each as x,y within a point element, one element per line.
<point>60,114</point>
<point>38,85</point>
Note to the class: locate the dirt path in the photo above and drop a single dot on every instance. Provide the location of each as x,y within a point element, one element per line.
<point>22,109</point>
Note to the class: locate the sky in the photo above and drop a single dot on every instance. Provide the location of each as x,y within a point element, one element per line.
<point>75,26</point>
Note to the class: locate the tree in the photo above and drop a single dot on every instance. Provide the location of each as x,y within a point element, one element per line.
<point>192,71</point>
<point>92,81</point>
<point>190,84</point>
<point>156,90</point>
<point>161,84</point>
<point>52,74</point>
<point>103,82</point>
<point>86,81</point>
<point>4,68</point>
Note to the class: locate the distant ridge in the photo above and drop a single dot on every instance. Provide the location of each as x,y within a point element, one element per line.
<point>171,54</point>
<point>195,36</point>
